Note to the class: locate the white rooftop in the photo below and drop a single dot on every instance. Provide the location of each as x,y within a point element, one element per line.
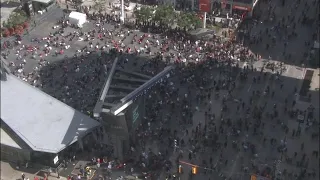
<point>43,122</point>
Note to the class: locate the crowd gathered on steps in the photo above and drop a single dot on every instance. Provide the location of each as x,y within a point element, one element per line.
<point>180,96</point>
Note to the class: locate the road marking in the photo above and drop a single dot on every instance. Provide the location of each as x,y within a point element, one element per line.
<point>249,87</point>
<point>232,171</point>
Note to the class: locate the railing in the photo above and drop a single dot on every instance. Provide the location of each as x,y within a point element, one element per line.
<point>61,166</point>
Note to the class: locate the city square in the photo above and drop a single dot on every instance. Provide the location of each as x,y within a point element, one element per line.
<point>229,108</point>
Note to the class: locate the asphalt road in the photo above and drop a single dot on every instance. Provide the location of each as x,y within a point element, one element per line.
<point>266,154</point>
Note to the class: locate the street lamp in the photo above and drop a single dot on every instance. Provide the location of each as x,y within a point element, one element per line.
<point>122,12</point>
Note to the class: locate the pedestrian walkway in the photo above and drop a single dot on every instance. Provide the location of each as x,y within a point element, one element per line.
<point>10,173</point>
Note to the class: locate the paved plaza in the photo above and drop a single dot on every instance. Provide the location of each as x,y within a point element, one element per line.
<point>266,155</point>
<point>237,143</point>
<point>8,171</point>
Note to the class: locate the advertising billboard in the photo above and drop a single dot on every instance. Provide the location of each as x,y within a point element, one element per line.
<point>135,113</point>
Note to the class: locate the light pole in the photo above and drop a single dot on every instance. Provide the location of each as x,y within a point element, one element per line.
<point>204,20</point>
<point>122,12</point>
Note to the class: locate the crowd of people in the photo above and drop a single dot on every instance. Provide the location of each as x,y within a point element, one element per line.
<point>78,78</point>
<point>85,68</point>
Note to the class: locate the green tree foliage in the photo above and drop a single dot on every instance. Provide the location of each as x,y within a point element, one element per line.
<point>188,20</point>
<point>144,14</point>
<point>196,21</point>
<point>165,15</point>
<point>16,18</point>
<point>99,5</point>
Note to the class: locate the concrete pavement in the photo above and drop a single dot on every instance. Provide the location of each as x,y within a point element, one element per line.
<point>266,154</point>
<point>295,46</point>
<point>10,173</point>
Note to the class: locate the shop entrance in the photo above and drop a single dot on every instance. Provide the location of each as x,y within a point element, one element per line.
<point>240,12</point>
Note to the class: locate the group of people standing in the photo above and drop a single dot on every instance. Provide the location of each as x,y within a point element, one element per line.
<point>192,88</point>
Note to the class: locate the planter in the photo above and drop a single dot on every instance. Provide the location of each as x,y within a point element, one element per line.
<point>18,30</point>
<point>25,25</point>
<point>6,33</point>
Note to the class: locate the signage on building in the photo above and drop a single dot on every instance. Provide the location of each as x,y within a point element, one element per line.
<point>56,159</point>
<point>204,5</point>
<point>242,8</point>
<point>135,114</point>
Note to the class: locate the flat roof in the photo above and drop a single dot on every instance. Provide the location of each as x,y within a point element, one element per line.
<point>41,121</point>
<point>7,140</point>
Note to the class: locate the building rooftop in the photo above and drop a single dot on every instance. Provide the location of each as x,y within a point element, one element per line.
<point>44,123</point>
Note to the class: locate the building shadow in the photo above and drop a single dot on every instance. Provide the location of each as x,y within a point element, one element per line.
<point>77,81</point>
<point>30,170</point>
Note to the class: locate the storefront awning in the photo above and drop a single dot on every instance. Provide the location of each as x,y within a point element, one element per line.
<point>43,1</point>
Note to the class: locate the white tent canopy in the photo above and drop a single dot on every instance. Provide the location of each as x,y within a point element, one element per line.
<point>77,18</point>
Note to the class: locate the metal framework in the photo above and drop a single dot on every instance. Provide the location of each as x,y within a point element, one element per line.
<point>123,96</point>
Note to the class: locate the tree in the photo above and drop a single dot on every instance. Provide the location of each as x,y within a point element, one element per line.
<point>195,21</point>
<point>144,14</point>
<point>99,5</point>
<point>188,20</point>
<point>165,15</point>
<point>16,18</point>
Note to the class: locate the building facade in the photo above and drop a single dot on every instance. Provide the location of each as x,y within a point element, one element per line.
<point>227,6</point>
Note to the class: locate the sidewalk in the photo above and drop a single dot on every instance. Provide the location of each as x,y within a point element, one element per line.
<point>9,173</point>
<point>36,18</point>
